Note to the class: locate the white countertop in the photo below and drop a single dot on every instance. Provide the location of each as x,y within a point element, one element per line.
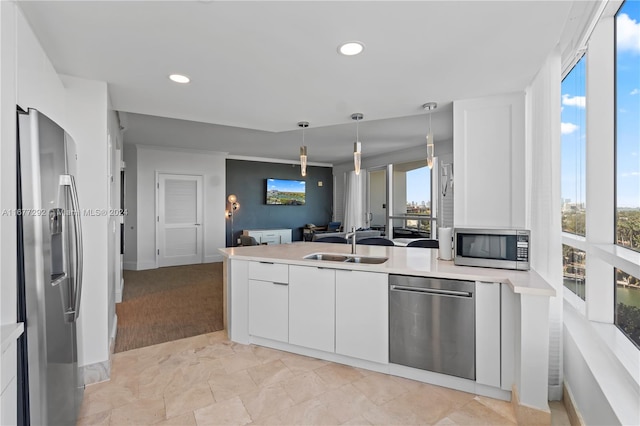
<point>402,260</point>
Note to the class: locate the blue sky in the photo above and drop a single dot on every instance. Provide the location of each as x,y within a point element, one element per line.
<point>628,104</point>
<point>418,185</point>
<point>286,185</point>
<point>628,116</point>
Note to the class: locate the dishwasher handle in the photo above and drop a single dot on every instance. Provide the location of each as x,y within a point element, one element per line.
<point>433,291</point>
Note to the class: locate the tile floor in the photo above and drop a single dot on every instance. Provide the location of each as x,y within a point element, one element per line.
<point>207,380</point>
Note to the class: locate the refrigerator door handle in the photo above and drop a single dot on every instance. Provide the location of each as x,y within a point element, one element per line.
<point>69,180</point>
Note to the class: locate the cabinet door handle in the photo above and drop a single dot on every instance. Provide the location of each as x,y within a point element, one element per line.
<point>267,263</point>
<point>281,283</point>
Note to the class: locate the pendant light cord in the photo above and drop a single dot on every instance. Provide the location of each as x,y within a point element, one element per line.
<point>357,130</point>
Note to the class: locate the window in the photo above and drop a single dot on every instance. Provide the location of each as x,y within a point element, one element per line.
<point>628,305</point>
<point>411,205</point>
<point>627,163</point>
<point>573,130</point>
<point>628,125</point>
<point>573,270</point>
<point>419,198</point>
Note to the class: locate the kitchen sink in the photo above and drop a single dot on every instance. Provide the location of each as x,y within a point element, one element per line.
<point>327,256</point>
<point>332,257</point>
<point>366,259</point>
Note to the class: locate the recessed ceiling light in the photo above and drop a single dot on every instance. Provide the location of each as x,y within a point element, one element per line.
<point>179,78</point>
<point>351,48</point>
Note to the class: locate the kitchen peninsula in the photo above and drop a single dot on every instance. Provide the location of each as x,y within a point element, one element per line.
<point>286,298</point>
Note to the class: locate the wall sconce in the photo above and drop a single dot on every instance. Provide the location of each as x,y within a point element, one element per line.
<point>357,146</point>
<point>429,107</point>
<point>233,206</point>
<point>303,149</point>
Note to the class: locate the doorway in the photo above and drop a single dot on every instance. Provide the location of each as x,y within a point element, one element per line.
<point>179,220</point>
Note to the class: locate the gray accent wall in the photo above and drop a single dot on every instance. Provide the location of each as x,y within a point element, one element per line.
<point>247,180</point>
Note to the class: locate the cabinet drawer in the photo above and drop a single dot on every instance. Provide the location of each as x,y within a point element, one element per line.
<point>270,239</point>
<point>267,271</point>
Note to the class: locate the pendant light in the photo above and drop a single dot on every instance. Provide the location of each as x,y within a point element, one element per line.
<point>357,146</point>
<point>429,107</point>
<point>303,149</point>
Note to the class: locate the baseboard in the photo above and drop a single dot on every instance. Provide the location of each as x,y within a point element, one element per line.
<point>119,291</point>
<point>96,373</point>
<point>569,404</point>
<point>526,415</point>
<point>139,266</point>
<point>213,258</point>
<point>130,266</point>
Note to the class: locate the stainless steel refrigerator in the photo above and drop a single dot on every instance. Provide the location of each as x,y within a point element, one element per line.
<point>49,271</point>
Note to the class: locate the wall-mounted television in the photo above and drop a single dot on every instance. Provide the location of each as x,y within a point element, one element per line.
<point>286,192</point>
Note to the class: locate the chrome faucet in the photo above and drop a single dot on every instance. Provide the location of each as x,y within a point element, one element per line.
<point>352,234</point>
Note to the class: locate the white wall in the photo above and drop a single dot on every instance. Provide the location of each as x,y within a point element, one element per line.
<point>543,189</point>
<point>28,79</point>
<point>114,141</point>
<point>211,165</point>
<point>87,103</point>
<point>8,239</point>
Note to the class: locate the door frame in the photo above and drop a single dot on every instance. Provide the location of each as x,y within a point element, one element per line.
<point>157,210</point>
<point>369,213</point>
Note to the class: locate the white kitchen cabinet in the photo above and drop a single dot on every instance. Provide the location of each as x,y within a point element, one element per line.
<point>269,300</point>
<point>489,131</point>
<point>488,363</point>
<point>8,363</point>
<point>9,404</point>
<point>269,236</point>
<point>312,307</point>
<point>362,315</point>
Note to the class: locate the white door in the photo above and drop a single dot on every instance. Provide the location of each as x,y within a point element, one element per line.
<point>179,218</point>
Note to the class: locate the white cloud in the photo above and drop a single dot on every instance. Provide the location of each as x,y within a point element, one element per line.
<point>567,128</point>
<point>622,111</point>
<point>578,101</point>
<point>631,174</point>
<point>635,92</point>
<point>628,35</point>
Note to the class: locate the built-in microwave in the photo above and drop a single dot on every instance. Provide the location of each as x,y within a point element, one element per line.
<point>492,248</point>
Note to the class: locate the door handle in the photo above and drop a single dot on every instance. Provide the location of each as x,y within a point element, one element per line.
<point>69,181</point>
<point>433,291</point>
<point>196,224</point>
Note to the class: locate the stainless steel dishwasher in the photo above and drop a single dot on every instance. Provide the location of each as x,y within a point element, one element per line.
<point>432,324</point>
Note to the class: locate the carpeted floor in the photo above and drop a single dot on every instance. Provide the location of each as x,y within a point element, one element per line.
<point>160,305</point>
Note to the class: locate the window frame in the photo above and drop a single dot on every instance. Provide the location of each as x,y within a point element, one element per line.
<point>580,55</point>
<point>624,258</point>
<point>577,241</point>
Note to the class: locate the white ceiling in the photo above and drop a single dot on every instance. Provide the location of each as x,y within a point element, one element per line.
<point>257,68</point>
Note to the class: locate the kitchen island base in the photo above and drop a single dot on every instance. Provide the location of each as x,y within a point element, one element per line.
<point>285,297</point>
